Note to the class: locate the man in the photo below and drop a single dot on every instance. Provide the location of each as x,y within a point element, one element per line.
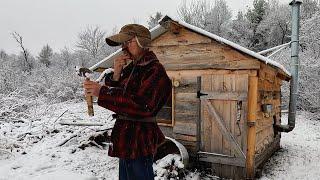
<point>135,92</point>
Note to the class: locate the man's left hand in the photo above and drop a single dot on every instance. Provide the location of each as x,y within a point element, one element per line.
<point>91,88</point>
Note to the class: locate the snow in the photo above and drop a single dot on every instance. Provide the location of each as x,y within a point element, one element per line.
<point>299,156</point>
<point>44,159</point>
<point>39,156</point>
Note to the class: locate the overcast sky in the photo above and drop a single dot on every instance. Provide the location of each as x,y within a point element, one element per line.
<point>58,22</point>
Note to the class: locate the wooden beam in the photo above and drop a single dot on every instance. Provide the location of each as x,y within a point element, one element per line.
<point>221,159</point>
<point>186,128</point>
<point>233,96</point>
<point>80,123</point>
<point>214,64</point>
<point>199,115</point>
<point>252,115</point>
<point>219,122</point>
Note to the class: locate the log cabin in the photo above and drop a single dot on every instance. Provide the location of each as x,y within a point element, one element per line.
<point>225,98</point>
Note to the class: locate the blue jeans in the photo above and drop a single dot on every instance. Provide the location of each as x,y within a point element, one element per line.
<point>136,169</point>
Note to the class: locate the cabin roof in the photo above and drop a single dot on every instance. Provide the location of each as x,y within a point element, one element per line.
<point>159,30</point>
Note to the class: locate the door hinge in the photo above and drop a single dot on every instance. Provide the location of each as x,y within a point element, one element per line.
<point>199,93</point>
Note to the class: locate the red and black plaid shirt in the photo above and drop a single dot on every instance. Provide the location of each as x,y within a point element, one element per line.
<point>141,91</point>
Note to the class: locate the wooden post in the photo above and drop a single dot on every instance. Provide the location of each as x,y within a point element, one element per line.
<point>90,104</point>
<point>251,136</point>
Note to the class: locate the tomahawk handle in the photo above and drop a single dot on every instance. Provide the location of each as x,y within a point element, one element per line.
<point>90,104</point>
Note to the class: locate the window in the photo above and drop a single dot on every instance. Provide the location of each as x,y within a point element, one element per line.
<point>165,116</point>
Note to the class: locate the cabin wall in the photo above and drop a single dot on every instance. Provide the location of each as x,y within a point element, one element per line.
<point>186,55</point>
<point>269,92</point>
<point>187,50</point>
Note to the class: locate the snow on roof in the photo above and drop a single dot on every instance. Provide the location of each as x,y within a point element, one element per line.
<point>227,42</point>
<point>159,30</point>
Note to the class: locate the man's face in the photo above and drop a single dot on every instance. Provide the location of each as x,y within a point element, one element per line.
<point>130,47</point>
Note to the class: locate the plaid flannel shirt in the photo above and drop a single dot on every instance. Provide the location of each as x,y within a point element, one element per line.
<point>141,91</point>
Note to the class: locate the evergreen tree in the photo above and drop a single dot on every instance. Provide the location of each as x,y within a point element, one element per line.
<point>45,55</point>
<point>255,16</point>
<point>153,20</point>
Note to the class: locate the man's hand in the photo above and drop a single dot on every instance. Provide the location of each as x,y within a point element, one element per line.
<point>118,64</point>
<point>91,88</point>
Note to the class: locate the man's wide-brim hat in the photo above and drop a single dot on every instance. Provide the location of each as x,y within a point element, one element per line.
<point>128,32</point>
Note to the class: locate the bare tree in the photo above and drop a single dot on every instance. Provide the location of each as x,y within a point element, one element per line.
<point>91,40</point>
<point>205,14</point>
<point>19,40</point>
<point>66,56</point>
<point>195,13</point>
<point>218,16</point>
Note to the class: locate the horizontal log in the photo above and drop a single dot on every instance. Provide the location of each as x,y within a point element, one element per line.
<point>190,117</point>
<point>244,64</point>
<point>186,88</point>
<point>204,56</point>
<point>186,97</point>
<point>80,123</point>
<point>194,73</point>
<point>186,106</point>
<point>184,137</point>
<point>167,131</point>
<point>186,128</point>
<point>265,155</point>
<point>182,37</point>
<point>221,159</point>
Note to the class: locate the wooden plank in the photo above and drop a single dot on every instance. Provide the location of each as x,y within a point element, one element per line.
<point>242,85</point>
<point>221,159</point>
<point>240,126</point>
<point>223,129</point>
<point>233,96</point>
<point>225,116</point>
<point>233,119</point>
<point>206,123</point>
<point>217,138</point>
<point>186,128</point>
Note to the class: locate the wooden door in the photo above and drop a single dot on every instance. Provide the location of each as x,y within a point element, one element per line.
<point>223,117</point>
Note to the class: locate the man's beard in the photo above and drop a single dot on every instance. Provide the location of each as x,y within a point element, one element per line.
<point>126,52</point>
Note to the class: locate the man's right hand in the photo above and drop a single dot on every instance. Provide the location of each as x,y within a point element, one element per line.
<point>118,64</point>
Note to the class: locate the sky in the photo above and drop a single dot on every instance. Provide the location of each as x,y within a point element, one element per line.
<point>58,22</point>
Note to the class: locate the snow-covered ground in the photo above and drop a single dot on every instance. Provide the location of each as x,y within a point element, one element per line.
<point>299,155</point>
<point>37,152</point>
